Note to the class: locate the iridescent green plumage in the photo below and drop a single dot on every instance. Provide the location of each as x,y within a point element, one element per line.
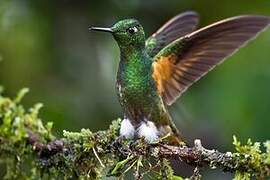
<point>156,71</point>
<point>136,87</point>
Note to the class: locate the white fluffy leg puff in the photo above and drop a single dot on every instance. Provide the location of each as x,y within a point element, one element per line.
<point>127,130</point>
<point>147,129</point>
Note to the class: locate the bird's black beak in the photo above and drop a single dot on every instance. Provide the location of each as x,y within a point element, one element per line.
<point>100,29</point>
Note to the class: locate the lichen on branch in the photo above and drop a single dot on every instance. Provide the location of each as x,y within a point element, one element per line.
<point>28,149</point>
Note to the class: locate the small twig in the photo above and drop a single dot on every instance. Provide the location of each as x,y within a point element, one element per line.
<point>137,173</point>
<point>131,166</point>
<point>99,160</point>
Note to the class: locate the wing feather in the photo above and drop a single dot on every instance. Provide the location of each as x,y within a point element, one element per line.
<point>175,28</point>
<point>186,60</point>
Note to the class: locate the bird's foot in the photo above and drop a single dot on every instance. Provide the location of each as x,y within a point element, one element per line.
<point>119,145</point>
<point>117,142</point>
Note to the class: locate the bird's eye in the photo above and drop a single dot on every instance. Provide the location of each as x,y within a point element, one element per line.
<point>132,30</point>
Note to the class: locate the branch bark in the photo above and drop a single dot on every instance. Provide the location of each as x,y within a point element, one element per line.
<point>196,156</point>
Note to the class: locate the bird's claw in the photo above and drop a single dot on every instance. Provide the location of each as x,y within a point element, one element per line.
<point>118,145</point>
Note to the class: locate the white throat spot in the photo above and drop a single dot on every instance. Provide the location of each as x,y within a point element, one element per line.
<point>149,131</point>
<point>127,129</point>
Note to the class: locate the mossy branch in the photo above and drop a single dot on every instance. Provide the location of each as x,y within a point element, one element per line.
<point>28,149</point>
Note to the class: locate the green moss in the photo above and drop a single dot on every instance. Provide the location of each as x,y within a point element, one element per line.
<point>26,150</point>
<point>250,155</point>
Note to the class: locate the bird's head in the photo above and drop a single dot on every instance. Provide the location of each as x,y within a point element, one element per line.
<point>127,33</point>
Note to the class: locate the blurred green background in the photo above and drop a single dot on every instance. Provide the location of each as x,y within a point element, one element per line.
<point>46,46</point>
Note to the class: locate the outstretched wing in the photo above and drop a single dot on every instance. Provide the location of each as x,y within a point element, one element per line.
<point>175,28</point>
<point>186,60</point>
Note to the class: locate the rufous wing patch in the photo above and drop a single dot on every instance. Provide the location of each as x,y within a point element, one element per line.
<point>165,74</point>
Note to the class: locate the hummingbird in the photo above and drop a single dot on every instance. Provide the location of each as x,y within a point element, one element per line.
<point>154,72</point>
